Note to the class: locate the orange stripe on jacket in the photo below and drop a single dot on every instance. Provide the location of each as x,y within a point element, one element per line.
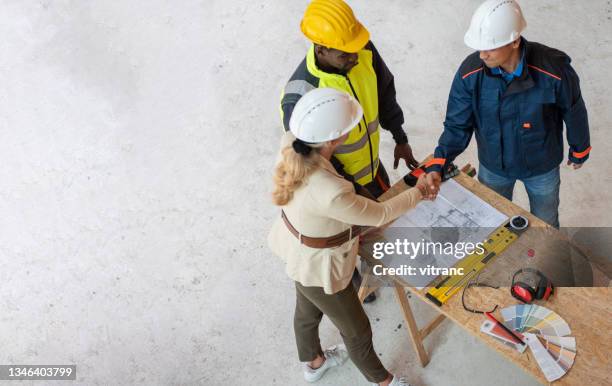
<point>545,72</point>
<point>582,154</point>
<point>381,183</point>
<point>472,72</point>
<point>436,161</point>
<point>418,172</point>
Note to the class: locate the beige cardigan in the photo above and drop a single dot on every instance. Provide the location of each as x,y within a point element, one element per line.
<point>326,204</point>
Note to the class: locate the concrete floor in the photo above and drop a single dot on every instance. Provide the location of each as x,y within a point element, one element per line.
<point>137,141</point>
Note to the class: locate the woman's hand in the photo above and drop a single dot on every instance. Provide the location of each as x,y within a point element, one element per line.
<point>424,187</point>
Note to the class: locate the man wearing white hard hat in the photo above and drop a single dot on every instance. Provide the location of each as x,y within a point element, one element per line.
<point>317,233</point>
<point>515,96</point>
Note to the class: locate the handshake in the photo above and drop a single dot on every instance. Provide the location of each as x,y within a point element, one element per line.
<point>428,183</point>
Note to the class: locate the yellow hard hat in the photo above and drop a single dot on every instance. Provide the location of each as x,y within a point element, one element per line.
<point>331,23</point>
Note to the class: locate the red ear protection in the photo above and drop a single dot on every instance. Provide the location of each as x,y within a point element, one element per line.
<point>525,293</point>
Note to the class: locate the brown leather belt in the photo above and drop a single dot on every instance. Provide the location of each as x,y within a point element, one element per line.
<point>325,242</point>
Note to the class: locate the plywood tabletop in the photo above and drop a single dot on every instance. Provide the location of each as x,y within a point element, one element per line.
<point>587,310</point>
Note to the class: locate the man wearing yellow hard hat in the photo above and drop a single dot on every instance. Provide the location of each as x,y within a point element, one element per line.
<point>343,57</point>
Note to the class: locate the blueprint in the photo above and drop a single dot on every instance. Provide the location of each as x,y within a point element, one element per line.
<point>455,206</point>
<point>456,216</point>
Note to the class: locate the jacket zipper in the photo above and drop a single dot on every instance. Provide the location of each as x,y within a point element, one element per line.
<point>366,128</point>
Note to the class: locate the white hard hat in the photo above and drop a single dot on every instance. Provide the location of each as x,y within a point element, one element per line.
<point>324,114</point>
<point>495,24</point>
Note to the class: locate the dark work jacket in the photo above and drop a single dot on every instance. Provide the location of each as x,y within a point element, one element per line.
<point>518,126</point>
<point>390,114</point>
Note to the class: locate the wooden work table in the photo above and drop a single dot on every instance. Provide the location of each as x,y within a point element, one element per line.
<point>587,310</point>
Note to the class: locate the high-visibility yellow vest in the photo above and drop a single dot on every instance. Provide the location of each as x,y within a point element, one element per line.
<point>359,154</point>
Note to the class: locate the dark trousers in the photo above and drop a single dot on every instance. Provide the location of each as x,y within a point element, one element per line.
<point>346,313</point>
<point>381,182</point>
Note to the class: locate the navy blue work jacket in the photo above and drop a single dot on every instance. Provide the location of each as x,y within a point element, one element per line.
<point>518,126</point>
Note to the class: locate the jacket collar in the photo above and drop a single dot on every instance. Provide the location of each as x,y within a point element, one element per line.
<point>311,65</point>
<point>517,72</point>
<point>524,81</point>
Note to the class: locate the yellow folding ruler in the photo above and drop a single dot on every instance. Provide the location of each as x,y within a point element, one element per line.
<point>446,286</point>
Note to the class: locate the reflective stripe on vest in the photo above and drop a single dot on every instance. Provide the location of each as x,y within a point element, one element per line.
<point>343,149</point>
<point>300,87</point>
<point>366,171</point>
<point>355,154</point>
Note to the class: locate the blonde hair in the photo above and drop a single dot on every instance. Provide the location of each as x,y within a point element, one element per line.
<point>291,172</point>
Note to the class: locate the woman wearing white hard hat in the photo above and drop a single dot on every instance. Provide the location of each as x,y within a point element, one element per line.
<point>317,233</point>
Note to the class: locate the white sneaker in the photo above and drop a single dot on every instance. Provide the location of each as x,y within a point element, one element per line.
<point>401,381</point>
<point>334,356</point>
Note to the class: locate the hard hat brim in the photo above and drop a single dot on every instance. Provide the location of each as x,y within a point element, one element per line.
<point>357,44</point>
<point>356,118</point>
<point>329,122</point>
<point>467,39</point>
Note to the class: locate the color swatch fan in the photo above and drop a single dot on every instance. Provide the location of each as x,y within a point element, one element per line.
<point>546,333</point>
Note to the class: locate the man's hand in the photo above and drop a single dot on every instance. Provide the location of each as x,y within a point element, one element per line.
<point>434,179</point>
<point>575,166</point>
<point>404,151</point>
<point>424,186</point>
